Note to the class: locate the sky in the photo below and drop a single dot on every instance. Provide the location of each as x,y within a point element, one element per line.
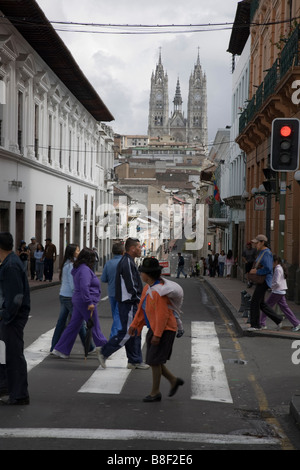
<point>119,66</point>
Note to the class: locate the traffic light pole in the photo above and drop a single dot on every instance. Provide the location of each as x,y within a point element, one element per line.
<point>282,214</point>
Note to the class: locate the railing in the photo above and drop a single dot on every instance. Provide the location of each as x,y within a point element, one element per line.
<point>290,53</point>
<point>289,57</point>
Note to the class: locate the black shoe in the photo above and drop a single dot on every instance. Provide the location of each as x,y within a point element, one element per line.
<point>3,392</point>
<point>174,389</point>
<point>9,402</point>
<point>150,398</point>
<point>180,333</point>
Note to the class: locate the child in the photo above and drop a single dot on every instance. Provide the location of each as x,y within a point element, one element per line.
<point>277,297</point>
<point>155,312</point>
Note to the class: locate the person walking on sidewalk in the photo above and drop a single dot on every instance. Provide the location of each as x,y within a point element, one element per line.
<point>264,263</point>
<point>128,293</point>
<point>277,297</point>
<point>155,312</point>
<point>14,313</point>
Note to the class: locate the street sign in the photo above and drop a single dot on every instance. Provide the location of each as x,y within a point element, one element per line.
<point>259,203</point>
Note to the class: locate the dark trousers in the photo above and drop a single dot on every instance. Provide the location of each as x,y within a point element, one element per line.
<point>48,269</point>
<point>13,375</point>
<point>32,267</point>
<point>132,343</point>
<point>258,304</point>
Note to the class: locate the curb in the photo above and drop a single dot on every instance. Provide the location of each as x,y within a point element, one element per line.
<point>235,316</point>
<point>233,313</point>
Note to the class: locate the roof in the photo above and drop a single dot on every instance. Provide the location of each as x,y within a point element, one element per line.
<point>28,18</point>
<point>241,28</point>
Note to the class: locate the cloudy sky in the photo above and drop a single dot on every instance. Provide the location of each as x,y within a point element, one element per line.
<point>119,66</point>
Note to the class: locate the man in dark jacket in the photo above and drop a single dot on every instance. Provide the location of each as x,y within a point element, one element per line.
<point>14,312</point>
<point>128,293</point>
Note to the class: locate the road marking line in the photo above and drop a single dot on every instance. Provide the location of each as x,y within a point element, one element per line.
<point>209,381</point>
<point>112,379</point>
<point>135,434</point>
<point>39,350</point>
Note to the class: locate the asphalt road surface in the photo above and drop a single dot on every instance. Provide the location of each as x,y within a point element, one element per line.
<point>236,393</point>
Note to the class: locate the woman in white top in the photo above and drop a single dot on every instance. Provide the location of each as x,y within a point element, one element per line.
<point>277,297</point>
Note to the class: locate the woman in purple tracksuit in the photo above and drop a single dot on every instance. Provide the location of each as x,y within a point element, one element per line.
<point>85,298</point>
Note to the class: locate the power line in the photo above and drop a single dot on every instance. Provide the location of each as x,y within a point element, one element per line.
<point>118,28</point>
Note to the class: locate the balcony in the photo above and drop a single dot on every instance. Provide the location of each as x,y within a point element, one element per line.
<point>274,80</point>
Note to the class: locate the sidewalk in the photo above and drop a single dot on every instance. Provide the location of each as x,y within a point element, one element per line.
<point>34,285</point>
<point>228,292</point>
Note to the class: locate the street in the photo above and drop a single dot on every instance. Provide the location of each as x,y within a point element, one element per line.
<point>236,393</point>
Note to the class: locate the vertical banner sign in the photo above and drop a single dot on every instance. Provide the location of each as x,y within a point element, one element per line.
<point>2,353</point>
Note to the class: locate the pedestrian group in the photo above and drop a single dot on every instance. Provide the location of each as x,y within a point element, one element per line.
<point>132,307</point>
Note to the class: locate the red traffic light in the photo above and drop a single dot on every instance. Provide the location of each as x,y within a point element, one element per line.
<point>285,131</point>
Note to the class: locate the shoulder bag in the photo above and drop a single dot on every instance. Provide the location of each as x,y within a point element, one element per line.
<point>257,278</point>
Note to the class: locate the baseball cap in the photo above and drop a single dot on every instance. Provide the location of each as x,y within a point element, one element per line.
<point>260,238</point>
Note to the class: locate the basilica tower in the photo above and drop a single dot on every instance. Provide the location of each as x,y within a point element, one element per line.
<point>193,128</point>
<point>158,121</point>
<point>197,107</point>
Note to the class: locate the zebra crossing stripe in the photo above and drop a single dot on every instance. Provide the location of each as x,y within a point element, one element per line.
<point>136,434</point>
<point>112,379</point>
<point>39,350</point>
<point>209,381</point>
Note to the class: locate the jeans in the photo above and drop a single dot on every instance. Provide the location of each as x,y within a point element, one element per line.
<point>116,325</point>
<point>39,267</point>
<point>258,303</point>
<point>132,343</point>
<point>180,270</point>
<point>66,308</point>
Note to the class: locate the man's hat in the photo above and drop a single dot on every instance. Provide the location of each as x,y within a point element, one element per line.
<point>260,238</point>
<point>150,265</point>
<point>46,239</point>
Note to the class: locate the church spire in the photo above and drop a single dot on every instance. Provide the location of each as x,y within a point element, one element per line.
<point>177,99</point>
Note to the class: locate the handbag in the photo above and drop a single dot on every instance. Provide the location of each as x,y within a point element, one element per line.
<point>257,278</point>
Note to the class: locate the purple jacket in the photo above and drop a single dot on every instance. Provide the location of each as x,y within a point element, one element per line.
<point>86,287</point>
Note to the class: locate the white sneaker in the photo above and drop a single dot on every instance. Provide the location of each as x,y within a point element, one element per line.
<point>279,326</point>
<point>252,328</point>
<point>101,358</point>
<point>296,328</point>
<point>59,354</point>
<point>140,365</point>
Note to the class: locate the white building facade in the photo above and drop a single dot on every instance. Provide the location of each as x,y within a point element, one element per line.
<point>56,157</point>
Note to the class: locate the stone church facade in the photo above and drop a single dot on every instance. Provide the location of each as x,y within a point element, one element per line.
<point>193,128</point>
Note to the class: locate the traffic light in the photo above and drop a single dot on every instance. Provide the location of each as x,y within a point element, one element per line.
<point>209,246</point>
<point>285,144</point>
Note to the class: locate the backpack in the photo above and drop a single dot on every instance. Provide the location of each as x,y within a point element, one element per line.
<point>173,291</point>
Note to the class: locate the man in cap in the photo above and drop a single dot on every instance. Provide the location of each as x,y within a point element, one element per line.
<point>49,258</point>
<point>263,266</point>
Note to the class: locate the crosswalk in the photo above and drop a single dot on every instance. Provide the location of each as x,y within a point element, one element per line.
<point>208,376</point>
